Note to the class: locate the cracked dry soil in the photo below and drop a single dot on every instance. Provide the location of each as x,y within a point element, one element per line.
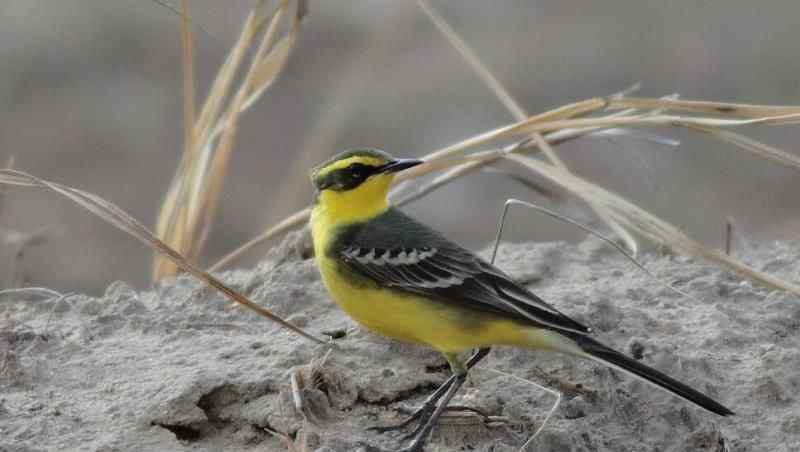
<point>176,369</point>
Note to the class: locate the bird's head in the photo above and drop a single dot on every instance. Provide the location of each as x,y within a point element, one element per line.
<point>354,184</point>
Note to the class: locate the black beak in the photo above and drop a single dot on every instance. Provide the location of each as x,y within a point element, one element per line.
<point>398,165</point>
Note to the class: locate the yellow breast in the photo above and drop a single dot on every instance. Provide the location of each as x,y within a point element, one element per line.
<point>376,309</point>
<point>411,318</point>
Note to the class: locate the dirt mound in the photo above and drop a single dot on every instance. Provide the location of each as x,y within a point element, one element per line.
<point>175,368</point>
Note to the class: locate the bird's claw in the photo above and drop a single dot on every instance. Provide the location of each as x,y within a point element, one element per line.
<point>420,414</point>
<point>414,447</point>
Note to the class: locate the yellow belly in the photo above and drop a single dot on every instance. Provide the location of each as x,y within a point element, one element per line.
<point>411,318</point>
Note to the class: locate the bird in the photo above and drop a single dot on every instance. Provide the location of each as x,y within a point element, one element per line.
<point>401,279</point>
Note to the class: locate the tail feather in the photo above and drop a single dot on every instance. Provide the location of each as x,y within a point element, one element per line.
<point>599,352</point>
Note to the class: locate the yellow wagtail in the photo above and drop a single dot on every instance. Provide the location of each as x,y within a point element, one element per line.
<point>401,279</point>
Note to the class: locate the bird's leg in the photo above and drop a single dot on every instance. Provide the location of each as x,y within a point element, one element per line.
<point>421,433</point>
<point>426,409</point>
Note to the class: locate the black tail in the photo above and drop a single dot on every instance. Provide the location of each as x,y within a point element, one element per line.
<point>616,359</point>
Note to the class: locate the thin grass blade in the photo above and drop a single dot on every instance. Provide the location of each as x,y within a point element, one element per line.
<point>123,221</point>
<point>647,224</point>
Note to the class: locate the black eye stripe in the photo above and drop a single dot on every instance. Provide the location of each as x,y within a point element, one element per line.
<point>346,178</point>
<point>360,170</point>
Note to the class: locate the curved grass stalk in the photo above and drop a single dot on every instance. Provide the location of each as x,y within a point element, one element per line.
<point>565,219</point>
<point>123,221</point>
<point>647,224</point>
<point>188,210</point>
<point>563,130</point>
<point>515,109</point>
<point>558,395</point>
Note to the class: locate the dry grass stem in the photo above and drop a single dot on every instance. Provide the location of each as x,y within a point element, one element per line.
<point>620,232</point>
<point>557,394</point>
<point>514,108</point>
<point>473,60</point>
<point>565,219</point>
<point>567,111</point>
<point>647,224</point>
<point>210,190</point>
<point>190,205</point>
<point>299,444</point>
<point>120,219</point>
<point>543,131</point>
<point>703,107</point>
<point>483,159</point>
<point>758,148</point>
<point>187,55</point>
<point>457,168</point>
<point>172,219</point>
<point>43,292</point>
<point>294,221</point>
<point>563,128</point>
<point>535,186</point>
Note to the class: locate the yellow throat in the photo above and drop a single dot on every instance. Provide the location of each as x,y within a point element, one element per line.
<point>336,208</point>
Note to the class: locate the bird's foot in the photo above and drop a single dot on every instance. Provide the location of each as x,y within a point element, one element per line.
<point>419,415</point>
<point>456,414</point>
<point>413,447</point>
<point>422,416</point>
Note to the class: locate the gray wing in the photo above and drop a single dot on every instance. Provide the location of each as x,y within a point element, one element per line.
<point>418,260</point>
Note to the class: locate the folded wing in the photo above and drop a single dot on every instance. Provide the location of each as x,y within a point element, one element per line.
<point>420,261</point>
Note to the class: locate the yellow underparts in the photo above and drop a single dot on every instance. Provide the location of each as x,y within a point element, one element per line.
<point>411,318</point>
<point>447,327</point>
<point>443,326</point>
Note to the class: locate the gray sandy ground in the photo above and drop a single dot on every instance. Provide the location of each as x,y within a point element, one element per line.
<point>176,369</point>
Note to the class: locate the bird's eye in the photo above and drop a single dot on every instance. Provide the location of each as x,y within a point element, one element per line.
<point>358,171</point>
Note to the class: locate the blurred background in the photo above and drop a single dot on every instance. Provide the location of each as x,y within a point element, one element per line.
<point>90,96</point>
